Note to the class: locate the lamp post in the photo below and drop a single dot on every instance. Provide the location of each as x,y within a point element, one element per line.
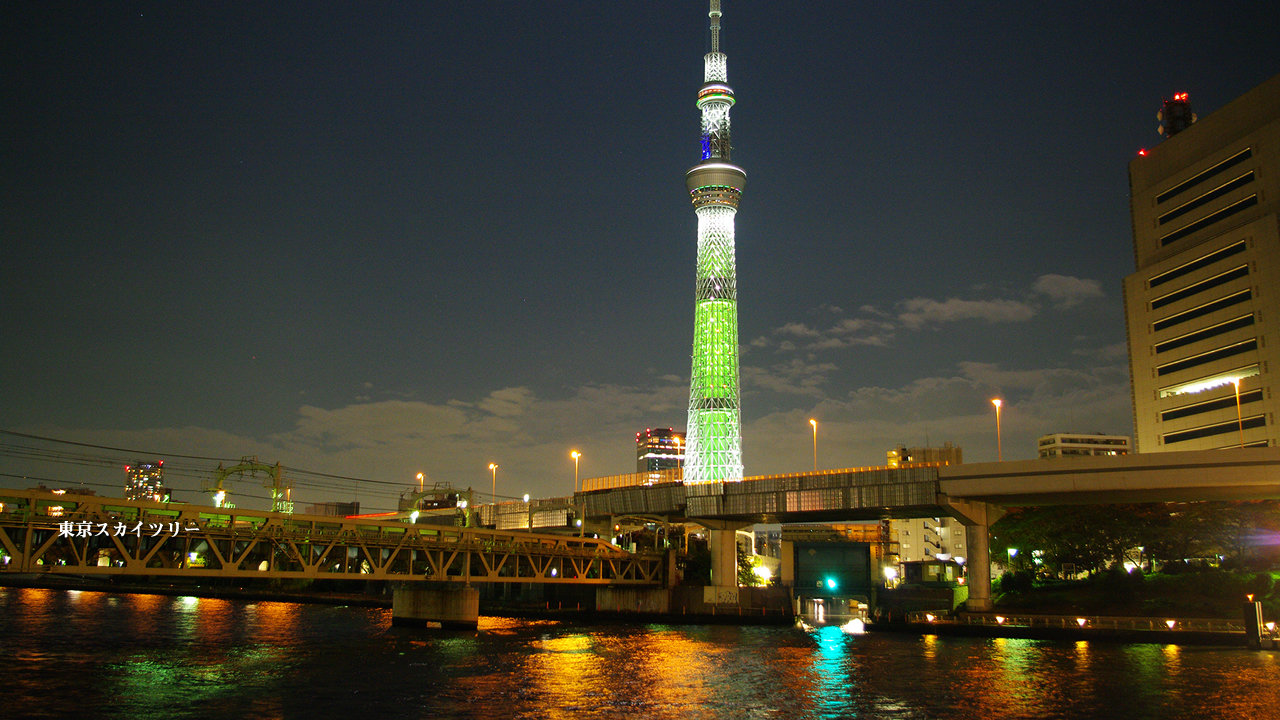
<point>419,482</point>
<point>814,423</point>
<point>493,468</point>
<point>1239,417</point>
<point>999,446</point>
<point>582,526</point>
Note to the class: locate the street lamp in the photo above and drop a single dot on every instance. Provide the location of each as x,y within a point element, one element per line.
<point>814,423</point>
<point>419,482</point>
<point>582,527</point>
<point>999,446</point>
<point>1239,417</point>
<point>493,468</point>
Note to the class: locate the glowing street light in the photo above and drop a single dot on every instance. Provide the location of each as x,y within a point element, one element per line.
<point>1239,417</point>
<point>493,468</point>
<point>582,529</point>
<point>999,446</point>
<point>814,423</point>
<point>419,482</point>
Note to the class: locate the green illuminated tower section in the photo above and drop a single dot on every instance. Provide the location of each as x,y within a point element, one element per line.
<point>714,444</point>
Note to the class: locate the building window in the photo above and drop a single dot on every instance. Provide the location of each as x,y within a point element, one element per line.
<point>1210,219</point>
<point>1202,310</point>
<point>1209,382</point>
<point>1209,174</point>
<point>1207,198</point>
<point>1196,264</point>
<point>1211,430</point>
<point>1207,357</point>
<point>1197,288</point>
<point>1211,331</point>
<point>1211,405</point>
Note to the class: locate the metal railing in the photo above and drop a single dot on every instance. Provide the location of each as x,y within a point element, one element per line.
<point>1086,622</point>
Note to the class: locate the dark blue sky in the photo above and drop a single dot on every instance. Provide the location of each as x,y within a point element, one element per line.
<point>376,238</point>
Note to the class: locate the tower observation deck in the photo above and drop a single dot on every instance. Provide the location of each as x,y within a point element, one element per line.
<point>714,443</point>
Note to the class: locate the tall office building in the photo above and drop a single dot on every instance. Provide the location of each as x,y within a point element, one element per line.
<point>659,449</point>
<point>714,450</point>
<point>1203,307</point>
<point>145,481</point>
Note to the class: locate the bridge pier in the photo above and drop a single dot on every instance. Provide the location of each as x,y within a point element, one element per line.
<point>976,518</point>
<point>722,539</point>
<point>454,607</point>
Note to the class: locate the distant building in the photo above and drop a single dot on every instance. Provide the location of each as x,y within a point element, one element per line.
<point>1203,308</point>
<point>145,481</point>
<point>659,449</point>
<point>948,454</point>
<point>334,508</point>
<point>1076,444</point>
<point>928,538</point>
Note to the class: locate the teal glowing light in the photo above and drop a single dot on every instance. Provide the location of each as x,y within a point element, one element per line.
<point>832,584</point>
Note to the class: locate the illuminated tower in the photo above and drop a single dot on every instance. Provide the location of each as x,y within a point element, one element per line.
<point>714,449</point>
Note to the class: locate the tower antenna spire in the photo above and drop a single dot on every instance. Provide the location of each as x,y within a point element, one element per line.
<point>714,14</point>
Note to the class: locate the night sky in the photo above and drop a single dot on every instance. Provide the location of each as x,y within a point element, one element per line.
<point>371,239</point>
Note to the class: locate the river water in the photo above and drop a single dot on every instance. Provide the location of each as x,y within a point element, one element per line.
<point>73,654</point>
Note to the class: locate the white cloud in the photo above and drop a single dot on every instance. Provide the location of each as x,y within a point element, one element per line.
<point>918,312</point>
<point>791,378</point>
<point>1065,291</point>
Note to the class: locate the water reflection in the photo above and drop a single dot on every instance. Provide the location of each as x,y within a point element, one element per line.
<point>94,654</point>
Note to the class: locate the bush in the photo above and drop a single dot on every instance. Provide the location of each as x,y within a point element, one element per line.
<point>1260,585</point>
<point>1017,581</point>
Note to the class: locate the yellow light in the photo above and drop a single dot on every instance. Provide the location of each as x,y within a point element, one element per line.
<point>928,617</point>
<point>575,454</point>
<point>999,619</point>
<point>997,402</point>
<point>1081,621</point>
<point>1271,626</point>
<point>1170,623</point>
<point>493,466</point>
<point>813,422</point>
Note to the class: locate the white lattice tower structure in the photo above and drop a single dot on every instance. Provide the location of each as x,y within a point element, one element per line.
<point>714,444</point>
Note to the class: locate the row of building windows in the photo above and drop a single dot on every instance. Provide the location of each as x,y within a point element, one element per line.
<point>1211,331</point>
<point>1215,429</point>
<point>1197,288</point>
<point>1211,405</point>
<point>1208,357</point>
<point>1206,198</point>
<point>1205,176</point>
<point>1210,219</point>
<point>1210,381</point>
<point>1202,310</point>
<point>1200,262</point>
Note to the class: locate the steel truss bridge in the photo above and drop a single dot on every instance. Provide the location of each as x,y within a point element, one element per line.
<point>65,534</point>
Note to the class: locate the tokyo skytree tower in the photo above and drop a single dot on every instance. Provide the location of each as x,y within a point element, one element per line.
<point>714,444</point>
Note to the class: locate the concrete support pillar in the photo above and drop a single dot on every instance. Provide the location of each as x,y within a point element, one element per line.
<point>787,571</point>
<point>977,518</point>
<point>722,538</point>
<point>979,567</point>
<point>724,557</point>
<point>454,607</point>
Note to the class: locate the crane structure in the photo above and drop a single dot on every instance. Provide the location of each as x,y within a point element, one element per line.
<point>281,487</point>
